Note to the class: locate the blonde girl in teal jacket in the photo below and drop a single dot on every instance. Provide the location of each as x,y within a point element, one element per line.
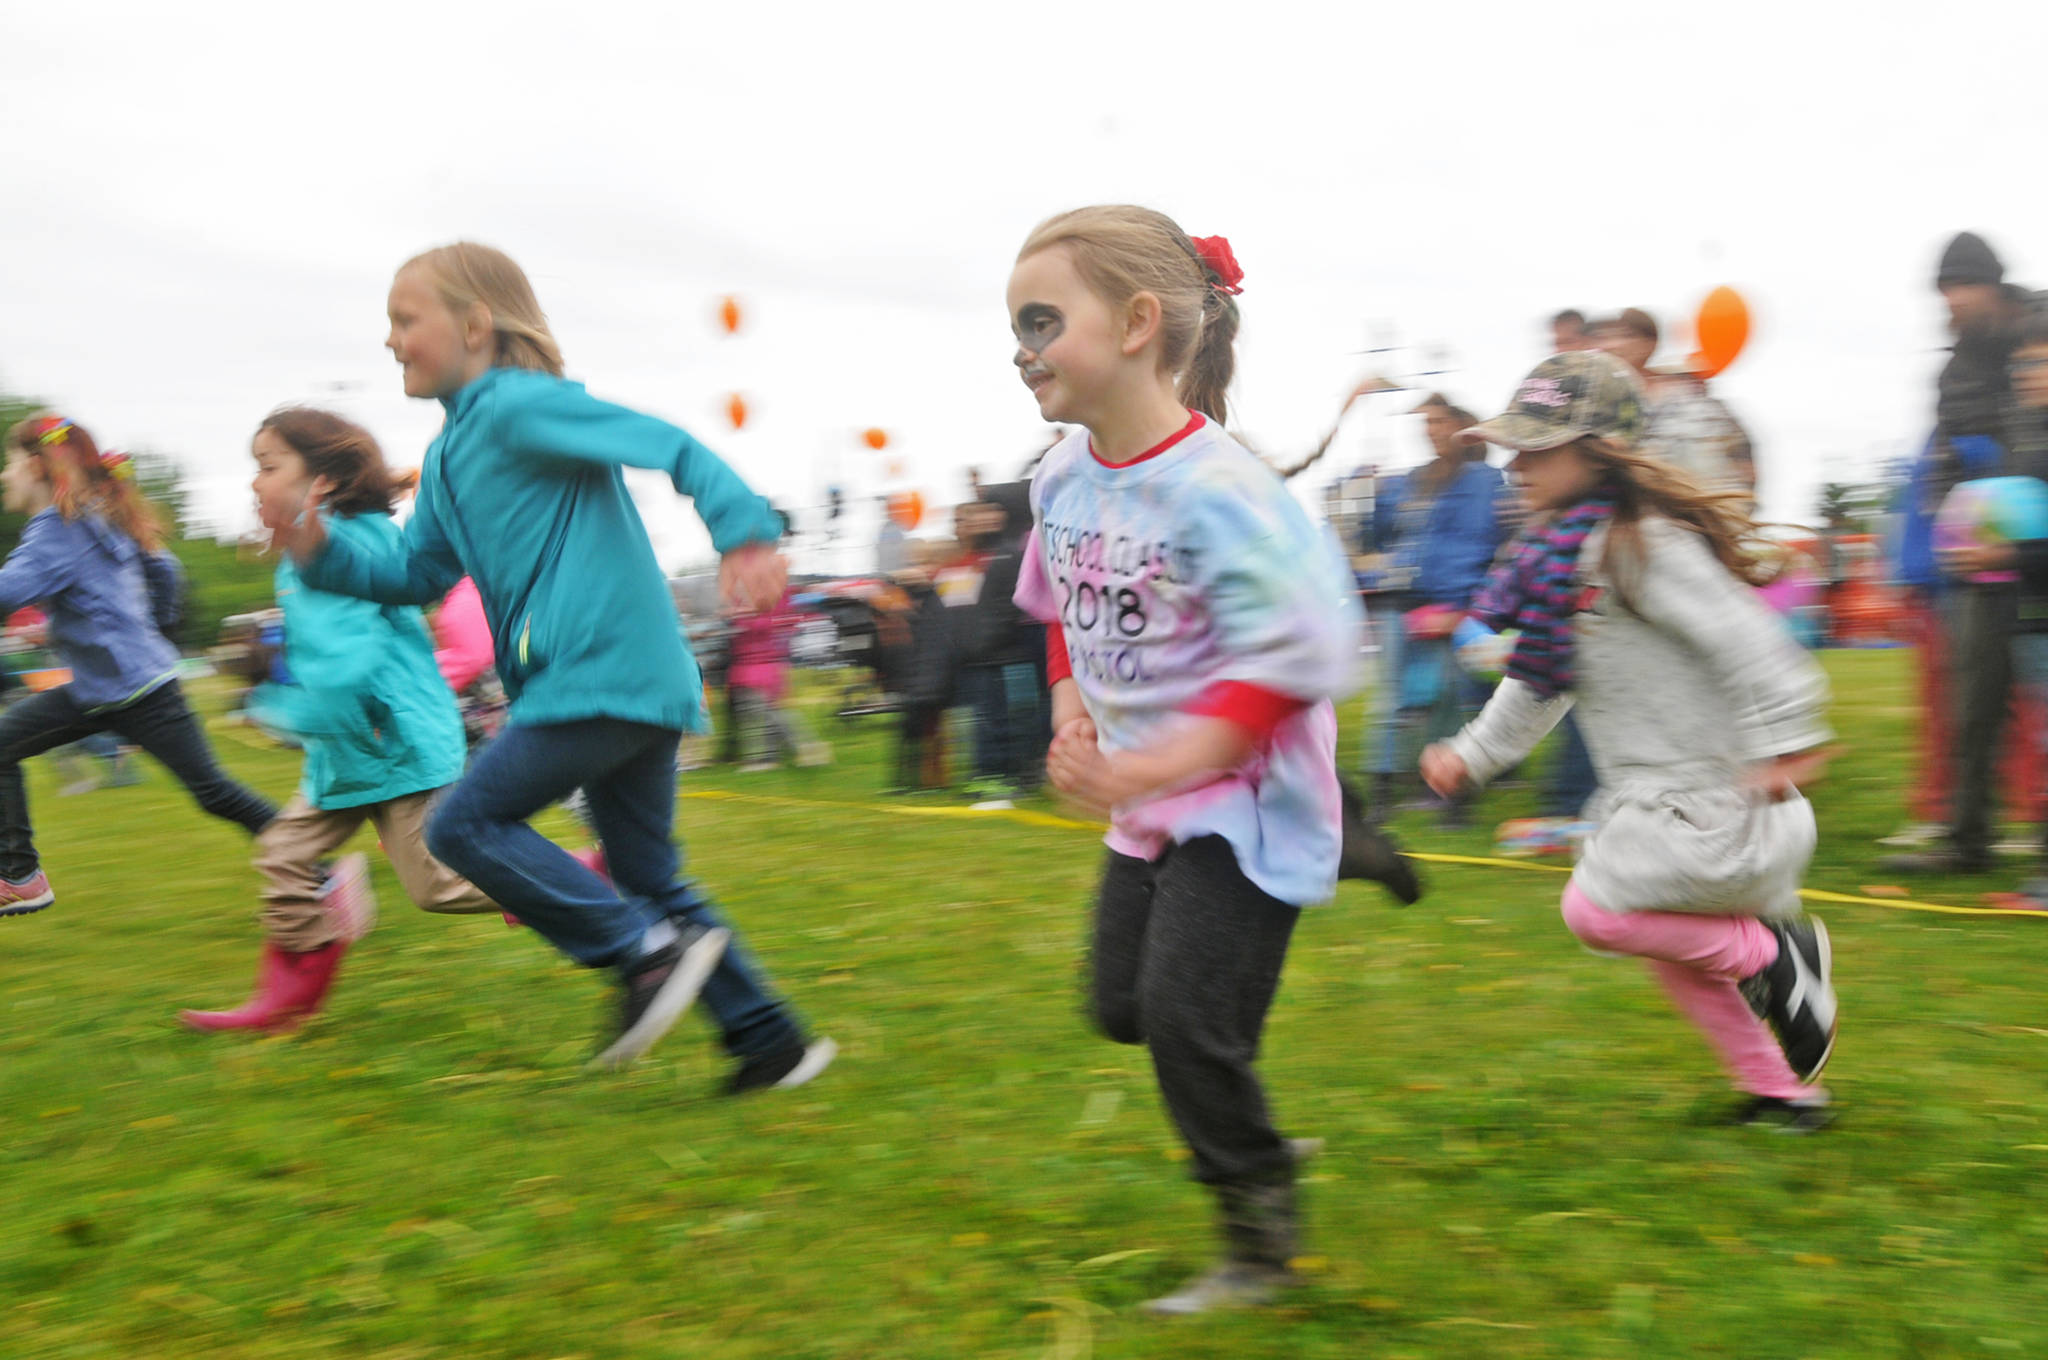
<point>379,729</point>
<point>522,490</point>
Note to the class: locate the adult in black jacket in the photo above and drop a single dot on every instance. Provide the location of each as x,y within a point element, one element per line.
<point>1003,652</point>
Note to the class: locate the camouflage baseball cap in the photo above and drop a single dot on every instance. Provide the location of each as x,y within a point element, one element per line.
<point>1567,397</point>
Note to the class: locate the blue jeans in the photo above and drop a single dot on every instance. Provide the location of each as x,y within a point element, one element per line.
<point>1427,695</point>
<point>627,772</point>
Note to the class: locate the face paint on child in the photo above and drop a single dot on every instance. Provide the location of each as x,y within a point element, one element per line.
<point>1038,325</point>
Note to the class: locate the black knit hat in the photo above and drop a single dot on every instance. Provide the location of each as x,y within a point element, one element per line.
<point>1969,259</point>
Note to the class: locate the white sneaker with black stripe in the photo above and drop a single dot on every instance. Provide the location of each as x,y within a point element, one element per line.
<point>1796,995</point>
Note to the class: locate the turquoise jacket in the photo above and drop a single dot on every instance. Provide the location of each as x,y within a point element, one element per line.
<point>369,705</point>
<point>522,490</point>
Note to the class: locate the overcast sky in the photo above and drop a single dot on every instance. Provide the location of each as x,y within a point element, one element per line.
<point>208,202</point>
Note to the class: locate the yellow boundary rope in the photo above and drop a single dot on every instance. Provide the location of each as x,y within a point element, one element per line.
<point>1026,817</point>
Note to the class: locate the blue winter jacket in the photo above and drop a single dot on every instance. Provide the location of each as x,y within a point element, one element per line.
<point>367,702</point>
<point>1446,563</point>
<point>522,490</point>
<point>88,577</point>
<point>1976,455</point>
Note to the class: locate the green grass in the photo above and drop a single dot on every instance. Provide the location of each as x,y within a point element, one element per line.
<point>1520,1157</point>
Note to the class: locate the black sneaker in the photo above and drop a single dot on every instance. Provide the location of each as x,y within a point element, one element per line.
<point>1943,859</point>
<point>1796,995</point>
<point>1369,853</point>
<point>1783,1116</point>
<point>658,988</point>
<point>782,1069</point>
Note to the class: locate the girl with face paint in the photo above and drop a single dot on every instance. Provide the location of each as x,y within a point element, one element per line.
<point>1198,627</point>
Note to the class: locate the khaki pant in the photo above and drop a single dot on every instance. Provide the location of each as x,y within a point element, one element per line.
<point>289,851</point>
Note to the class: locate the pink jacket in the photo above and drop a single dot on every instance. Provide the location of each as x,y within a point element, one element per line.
<point>760,649</point>
<point>462,637</point>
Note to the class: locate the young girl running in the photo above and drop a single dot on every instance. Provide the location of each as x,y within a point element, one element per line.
<point>82,559</point>
<point>1198,627</point>
<point>378,726</point>
<point>1702,715</point>
<point>522,491</point>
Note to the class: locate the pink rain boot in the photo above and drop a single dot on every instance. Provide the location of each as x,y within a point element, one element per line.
<point>288,986</point>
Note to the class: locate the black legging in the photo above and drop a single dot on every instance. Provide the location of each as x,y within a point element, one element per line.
<point>1187,957</point>
<point>160,722</point>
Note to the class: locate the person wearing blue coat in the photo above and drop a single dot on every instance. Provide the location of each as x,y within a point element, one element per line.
<point>378,726</point>
<point>523,491</point>
<point>1436,530</point>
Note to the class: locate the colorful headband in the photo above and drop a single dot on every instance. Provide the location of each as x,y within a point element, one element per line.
<point>1225,274</point>
<point>118,465</point>
<point>51,430</point>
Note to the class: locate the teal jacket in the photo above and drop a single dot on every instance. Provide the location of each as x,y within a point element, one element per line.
<point>522,490</point>
<point>369,705</point>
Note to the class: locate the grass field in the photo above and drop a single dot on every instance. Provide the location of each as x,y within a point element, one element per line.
<point>1521,1155</point>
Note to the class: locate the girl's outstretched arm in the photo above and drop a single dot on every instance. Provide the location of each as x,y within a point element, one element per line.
<point>563,422</point>
<point>1514,719</point>
<point>416,569</point>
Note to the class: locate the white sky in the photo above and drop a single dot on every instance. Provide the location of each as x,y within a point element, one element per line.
<point>208,202</point>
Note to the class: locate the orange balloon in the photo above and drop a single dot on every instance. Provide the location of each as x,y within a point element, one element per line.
<point>906,508</point>
<point>1723,329</point>
<point>736,411</point>
<point>729,314</point>
<point>876,439</point>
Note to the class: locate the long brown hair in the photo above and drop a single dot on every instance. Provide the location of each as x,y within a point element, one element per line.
<point>1643,486</point>
<point>466,273</point>
<point>85,481</point>
<point>1121,251</point>
<point>345,454</point>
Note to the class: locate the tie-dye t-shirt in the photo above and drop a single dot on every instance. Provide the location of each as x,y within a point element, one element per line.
<point>1187,569</point>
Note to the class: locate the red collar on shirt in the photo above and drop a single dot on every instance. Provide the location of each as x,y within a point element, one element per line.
<point>1194,423</point>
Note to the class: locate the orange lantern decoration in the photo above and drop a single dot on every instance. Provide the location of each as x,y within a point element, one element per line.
<point>875,439</point>
<point>736,411</point>
<point>1722,328</point>
<point>729,314</point>
<point>906,508</point>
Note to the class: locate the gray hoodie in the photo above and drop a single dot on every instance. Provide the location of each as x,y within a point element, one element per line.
<point>1679,694</point>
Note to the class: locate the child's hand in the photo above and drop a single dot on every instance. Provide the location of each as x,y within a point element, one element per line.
<point>304,536</point>
<point>1785,776</point>
<point>1444,770</point>
<point>753,576</point>
<point>1076,766</point>
<point>1976,558</point>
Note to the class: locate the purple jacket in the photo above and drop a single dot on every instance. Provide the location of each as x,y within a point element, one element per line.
<point>88,577</point>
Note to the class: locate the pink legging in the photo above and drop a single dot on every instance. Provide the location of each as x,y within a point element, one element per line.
<point>1699,959</point>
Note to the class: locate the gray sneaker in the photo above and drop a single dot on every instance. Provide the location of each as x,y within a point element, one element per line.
<point>1230,1284</point>
<point>658,988</point>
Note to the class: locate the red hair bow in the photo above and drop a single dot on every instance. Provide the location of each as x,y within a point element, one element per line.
<point>1214,253</point>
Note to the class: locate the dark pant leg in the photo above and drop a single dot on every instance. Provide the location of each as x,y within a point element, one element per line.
<point>1982,670</point>
<point>1571,779</point>
<point>1213,954</point>
<point>633,810</point>
<point>479,830</point>
<point>1021,755</point>
<point>983,686</point>
<point>31,726</point>
<point>1123,905</point>
<point>162,724</point>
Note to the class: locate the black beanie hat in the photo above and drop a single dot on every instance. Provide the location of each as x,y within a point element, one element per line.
<point>1969,259</point>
